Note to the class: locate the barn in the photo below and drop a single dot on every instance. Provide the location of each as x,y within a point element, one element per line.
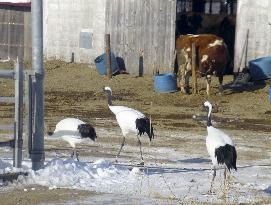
<point>139,30</point>
<point>142,31</point>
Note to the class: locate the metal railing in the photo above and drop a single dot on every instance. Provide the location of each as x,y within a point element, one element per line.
<point>19,77</point>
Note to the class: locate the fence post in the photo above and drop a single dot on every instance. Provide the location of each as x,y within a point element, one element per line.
<point>18,124</point>
<point>194,64</point>
<point>29,112</point>
<point>108,56</point>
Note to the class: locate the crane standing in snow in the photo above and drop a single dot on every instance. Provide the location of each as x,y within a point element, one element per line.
<point>130,121</point>
<point>219,146</point>
<point>73,131</point>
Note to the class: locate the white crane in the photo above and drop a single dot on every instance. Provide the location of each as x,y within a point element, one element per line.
<point>219,146</point>
<point>73,131</point>
<point>130,121</point>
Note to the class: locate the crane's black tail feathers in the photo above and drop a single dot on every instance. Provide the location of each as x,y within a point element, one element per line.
<point>143,125</point>
<point>226,154</point>
<point>86,130</point>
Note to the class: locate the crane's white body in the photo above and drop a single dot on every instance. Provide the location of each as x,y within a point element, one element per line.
<point>220,144</point>
<point>130,121</point>
<point>67,129</point>
<point>215,139</point>
<point>126,118</point>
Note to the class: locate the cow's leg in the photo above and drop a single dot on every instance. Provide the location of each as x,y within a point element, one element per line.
<point>220,88</point>
<point>208,81</point>
<point>181,70</point>
<point>186,80</point>
<point>183,80</point>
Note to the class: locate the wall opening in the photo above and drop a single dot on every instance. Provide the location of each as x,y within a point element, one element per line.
<point>208,16</point>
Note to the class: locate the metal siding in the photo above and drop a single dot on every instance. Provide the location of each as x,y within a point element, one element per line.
<point>146,26</point>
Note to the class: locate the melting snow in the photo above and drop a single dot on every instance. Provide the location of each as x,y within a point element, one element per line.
<point>189,181</point>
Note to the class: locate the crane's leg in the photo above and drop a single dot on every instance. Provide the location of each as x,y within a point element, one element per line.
<point>139,143</point>
<point>73,150</point>
<point>77,155</point>
<point>212,183</point>
<point>226,182</point>
<point>225,176</point>
<point>122,144</point>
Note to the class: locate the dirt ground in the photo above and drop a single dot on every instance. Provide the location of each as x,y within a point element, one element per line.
<point>75,90</point>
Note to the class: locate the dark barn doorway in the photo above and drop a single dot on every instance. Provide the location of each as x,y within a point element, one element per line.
<point>208,16</point>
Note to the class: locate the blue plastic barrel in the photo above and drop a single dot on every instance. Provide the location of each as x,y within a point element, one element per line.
<point>100,63</point>
<point>260,68</point>
<point>165,83</point>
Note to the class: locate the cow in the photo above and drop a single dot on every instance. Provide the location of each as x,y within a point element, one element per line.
<point>212,58</point>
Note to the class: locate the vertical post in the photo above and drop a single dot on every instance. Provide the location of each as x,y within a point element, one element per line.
<point>29,113</point>
<point>37,153</point>
<point>231,7</point>
<point>18,124</point>
<point>211,6</point>
<point>108,56</point>
<point>194,64</point>
<point>246,48</point>
<point>141,64</point>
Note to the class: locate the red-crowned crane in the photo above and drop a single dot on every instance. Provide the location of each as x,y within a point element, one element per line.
<point>74,131</point>
<point>130,121</point>
<point>219,146</point>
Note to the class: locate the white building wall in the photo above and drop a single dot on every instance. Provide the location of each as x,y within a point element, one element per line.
<point>63,22</point>
<point>255,17</point>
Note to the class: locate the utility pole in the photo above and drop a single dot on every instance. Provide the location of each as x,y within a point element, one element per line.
<point>37,152</point>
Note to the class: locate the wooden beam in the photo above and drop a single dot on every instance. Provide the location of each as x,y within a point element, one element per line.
<point>194,65</point>
<point>108,56</point>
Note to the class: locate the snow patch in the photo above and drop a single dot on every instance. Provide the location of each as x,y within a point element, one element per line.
<point>4,166</point>
<point>100,176</point>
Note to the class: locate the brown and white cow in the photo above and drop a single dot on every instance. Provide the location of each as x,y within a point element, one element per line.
<point>212,58</point>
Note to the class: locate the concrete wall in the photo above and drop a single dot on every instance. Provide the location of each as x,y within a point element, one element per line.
<point>64,20</point>
<point>255,17</point>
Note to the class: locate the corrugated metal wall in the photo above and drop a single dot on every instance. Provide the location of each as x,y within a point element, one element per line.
<point>15,30</point>
<point>254,18</point>
<point>142,28</point>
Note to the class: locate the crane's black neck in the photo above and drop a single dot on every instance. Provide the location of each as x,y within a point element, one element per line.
<point>209,117</point>
<point>109,94</point>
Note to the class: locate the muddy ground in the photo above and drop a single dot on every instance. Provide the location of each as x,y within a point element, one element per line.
<point>75,90</point>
